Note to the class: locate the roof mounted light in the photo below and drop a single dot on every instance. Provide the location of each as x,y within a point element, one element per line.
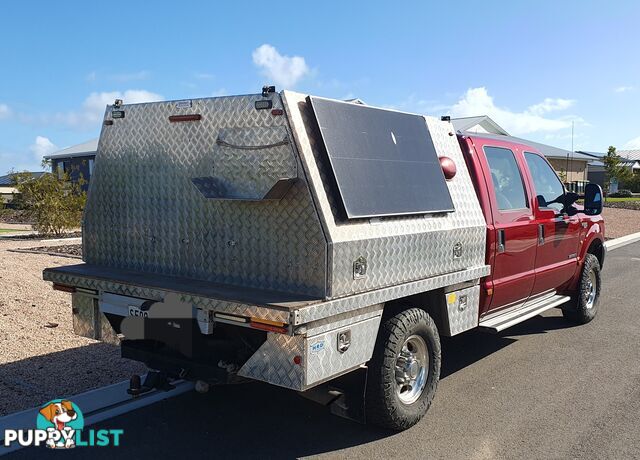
<point>266,89</point>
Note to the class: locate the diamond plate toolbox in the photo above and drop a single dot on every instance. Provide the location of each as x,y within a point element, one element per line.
<point>217,191</point>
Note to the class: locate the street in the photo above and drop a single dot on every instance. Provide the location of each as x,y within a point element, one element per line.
<point>542,389</point>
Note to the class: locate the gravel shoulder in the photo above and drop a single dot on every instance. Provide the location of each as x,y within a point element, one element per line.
<point>39,363</point>
<point>620,222</point>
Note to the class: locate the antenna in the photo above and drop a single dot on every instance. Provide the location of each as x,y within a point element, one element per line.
<point>571,164</point>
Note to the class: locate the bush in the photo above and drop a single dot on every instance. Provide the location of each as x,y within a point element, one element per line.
<point>624,193</point>
<point>633,183</point>
<point>55,205</point>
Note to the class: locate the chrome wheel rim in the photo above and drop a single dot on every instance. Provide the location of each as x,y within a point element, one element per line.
<point>590,290</point>
<point>412,369</point>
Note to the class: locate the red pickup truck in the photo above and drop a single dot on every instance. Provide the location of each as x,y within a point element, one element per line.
<point>291,239</point>
<point>538,240</point>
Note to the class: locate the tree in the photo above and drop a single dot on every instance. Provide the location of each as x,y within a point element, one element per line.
<point>614,168</point>
<point>55,204</point>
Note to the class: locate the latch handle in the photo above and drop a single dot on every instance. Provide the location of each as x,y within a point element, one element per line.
<point>501,240</point>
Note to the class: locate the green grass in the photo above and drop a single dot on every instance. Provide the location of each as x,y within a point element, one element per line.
<point>620,200</point>
<point>10,230</point>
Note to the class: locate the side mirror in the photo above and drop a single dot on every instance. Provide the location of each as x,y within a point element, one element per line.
<point>593,199</point>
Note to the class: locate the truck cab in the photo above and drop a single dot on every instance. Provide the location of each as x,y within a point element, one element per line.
<point>537,241</point>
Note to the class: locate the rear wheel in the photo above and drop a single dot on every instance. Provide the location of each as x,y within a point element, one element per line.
<point>404,370</point>
<point>584,305</point>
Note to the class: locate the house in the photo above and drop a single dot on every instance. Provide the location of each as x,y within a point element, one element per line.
<point>7,189</point>
<point>629,158</point>
<point>77,161</point>
<point>571,166</point>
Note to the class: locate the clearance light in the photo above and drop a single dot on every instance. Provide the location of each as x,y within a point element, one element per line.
<point>179,118</point>
<point>448,167</point>
<point>63,288</point>
<point>277,112</point>
<point>266,325</point>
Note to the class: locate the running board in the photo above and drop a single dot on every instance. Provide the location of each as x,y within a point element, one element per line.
<point>513,316</point>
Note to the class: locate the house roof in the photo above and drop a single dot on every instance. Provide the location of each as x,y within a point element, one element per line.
<point>85,149</point>
<point>468,123</point>
<point>7,181</point>
<point>547,150</point>
<point>630,154</point>
<point>356,100</point>
<point>628,157</point>
<point>592,154</point>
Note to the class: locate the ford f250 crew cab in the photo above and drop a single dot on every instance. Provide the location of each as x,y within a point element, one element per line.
<point>293,239</point>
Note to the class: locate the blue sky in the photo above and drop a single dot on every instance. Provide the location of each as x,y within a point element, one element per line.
<point>535,67</point>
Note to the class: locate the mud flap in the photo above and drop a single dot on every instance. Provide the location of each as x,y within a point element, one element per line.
<point>344,396</point>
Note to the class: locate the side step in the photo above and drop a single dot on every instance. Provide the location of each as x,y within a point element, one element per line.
<point>513,316</point>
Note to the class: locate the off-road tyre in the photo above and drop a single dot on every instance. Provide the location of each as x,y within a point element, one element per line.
<point>383,406</point>
<point>579,309</point>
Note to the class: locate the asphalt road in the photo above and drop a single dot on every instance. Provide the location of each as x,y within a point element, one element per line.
<point>542,389</point>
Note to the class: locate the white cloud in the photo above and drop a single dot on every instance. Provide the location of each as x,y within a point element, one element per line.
<point>284,71</point>
<point>42,146</point>
<point>477,101</point>
<point>5,111</point>
<point>632,144</point>
<point>93,107</point>
<point>550,105</point>
<point>624,89</point>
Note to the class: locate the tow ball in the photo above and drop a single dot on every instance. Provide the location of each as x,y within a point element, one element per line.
<point>153,380</point>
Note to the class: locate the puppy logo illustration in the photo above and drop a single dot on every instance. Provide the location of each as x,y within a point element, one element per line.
<point>61,418</point>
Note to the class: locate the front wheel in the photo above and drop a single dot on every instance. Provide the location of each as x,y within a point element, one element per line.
<point>584,305</point>
<point>404,371</point>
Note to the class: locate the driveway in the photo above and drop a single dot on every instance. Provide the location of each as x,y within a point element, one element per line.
<point>543,389</point>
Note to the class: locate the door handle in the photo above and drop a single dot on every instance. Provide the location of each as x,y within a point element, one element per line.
<point>540,234</point>
<point>501,240</point>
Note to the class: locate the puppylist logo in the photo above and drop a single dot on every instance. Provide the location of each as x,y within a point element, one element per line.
<point>60,425</point>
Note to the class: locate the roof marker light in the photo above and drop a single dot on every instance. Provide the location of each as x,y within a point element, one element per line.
<point>448,167</point>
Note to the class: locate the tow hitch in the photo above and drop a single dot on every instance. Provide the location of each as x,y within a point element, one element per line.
<point>153,380</point>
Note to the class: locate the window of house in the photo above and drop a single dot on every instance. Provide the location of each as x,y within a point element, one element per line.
<point>60,169</point>
<point>506,179</point>
<point>90,166</point>
<point>549,189</point>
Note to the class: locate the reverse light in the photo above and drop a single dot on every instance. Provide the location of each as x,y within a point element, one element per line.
<point>234,318</point>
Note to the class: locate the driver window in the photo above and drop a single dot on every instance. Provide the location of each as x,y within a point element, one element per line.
<point>548,187</point>
<point>506,178</point>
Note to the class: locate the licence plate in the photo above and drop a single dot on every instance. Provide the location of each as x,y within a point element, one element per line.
<point>135,311</point>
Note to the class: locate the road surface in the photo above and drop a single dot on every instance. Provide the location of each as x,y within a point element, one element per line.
<point>542,389</point>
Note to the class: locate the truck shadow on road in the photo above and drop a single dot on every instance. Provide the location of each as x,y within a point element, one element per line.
<point>259,420</point>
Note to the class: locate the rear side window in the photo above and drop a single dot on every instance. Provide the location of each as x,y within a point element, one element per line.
<point>548,186</point>
<point>506,179</point>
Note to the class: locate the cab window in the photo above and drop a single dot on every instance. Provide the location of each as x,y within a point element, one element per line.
<point>506,179</point>
<point>549,189</point>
